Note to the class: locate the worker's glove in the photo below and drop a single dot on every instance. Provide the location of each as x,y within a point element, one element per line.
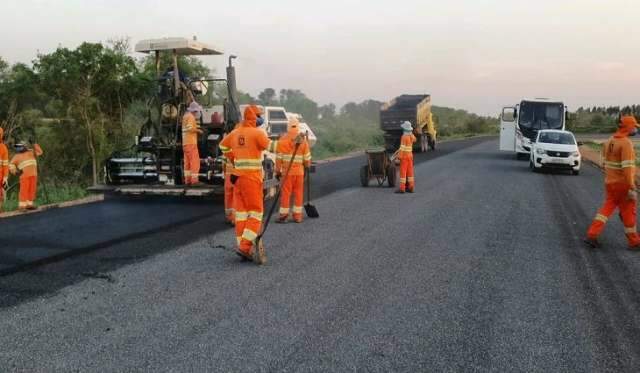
<point>632,194</point>
<point>5,184</point>
<point>299,138</point>
<point>278,175</point>
<point>234,179</point>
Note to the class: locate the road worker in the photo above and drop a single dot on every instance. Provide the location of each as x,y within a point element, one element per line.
<point>190,131</point>
<point>405,155</point>
<point>293,182</point>
<point>4,169</point>
<point>620,170</point>
<point>229,210</point>
<point>246,143</point>
<point>24,162</point>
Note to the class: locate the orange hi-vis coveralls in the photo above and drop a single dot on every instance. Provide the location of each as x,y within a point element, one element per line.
<point>620,170</point>
<point>405,155</point>
<point>247,143</point>
<point>229,210</point>
<point>4,166</point>
<point>293,183</point>
<point>190,130</point>
<point>26,163</point>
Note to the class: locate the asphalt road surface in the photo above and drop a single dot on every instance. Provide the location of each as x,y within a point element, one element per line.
<point>482,269</point>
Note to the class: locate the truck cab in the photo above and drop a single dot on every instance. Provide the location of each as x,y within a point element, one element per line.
<point>519,124</point>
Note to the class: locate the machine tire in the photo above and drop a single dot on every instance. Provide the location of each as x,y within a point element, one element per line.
<point>424,143</point>
<point>575,172</point>
<point>432,144</point>
<point>364,176</point>
<point>391,175</point>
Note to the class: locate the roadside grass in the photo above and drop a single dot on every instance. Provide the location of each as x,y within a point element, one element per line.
<point>598,147</point>
<point>47,194</point>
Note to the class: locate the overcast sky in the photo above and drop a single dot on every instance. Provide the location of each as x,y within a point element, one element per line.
<point>474,54</point>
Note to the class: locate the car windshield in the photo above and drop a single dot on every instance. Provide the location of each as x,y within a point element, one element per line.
<point>556,138</point>
<point>540,115</point>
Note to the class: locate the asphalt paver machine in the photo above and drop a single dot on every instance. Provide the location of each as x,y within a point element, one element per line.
<point>154,165</point>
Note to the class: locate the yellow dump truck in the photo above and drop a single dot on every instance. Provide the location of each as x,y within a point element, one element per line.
<point>415,109</point>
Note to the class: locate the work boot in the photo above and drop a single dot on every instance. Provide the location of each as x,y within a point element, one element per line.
<point>634,247</point>
<point>244,255</point>
<point>282,219</point>
<point>298,221</point>
<point>410,191</point>
<point>399,191</point>
<point>592,243</point>
<point>32,207</point>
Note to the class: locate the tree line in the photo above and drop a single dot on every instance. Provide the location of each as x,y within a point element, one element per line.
<point>83,104</point>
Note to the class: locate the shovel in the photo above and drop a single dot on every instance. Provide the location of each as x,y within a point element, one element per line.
<point>310,209</point>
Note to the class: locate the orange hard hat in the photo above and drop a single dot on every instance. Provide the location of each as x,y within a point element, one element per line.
<point>628,122</point>
<point>250,117</point>
<point>256,109</point>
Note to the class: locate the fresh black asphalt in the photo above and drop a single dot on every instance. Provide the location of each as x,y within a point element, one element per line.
<point>482,269</point>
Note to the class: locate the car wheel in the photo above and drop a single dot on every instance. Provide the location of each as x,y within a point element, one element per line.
<point>575,172</point>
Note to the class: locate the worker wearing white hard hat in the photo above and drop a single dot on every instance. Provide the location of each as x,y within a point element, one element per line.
<point>405,155</point>
<point>190,131</point>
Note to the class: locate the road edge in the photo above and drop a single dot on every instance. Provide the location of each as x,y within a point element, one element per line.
<point>76,202</point>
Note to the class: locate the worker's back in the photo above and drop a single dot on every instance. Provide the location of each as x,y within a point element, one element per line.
<point>247,144</point>
<point>619,161</point>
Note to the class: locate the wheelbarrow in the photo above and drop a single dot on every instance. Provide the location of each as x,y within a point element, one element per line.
<point>379,167</point>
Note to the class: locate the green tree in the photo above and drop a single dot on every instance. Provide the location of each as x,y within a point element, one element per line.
<point>268,97</point>
<point>90,82</point>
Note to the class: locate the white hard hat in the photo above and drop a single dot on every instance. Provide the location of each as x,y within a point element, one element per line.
<point>194,107</point>
<point>406,126</point>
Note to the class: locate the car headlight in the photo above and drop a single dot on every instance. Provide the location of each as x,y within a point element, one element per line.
<point>575,154</point>
<point>540,151</point>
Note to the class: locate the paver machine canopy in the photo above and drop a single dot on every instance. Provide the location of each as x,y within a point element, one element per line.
<point>156,158</point>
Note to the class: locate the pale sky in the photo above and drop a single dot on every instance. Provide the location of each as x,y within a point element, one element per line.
<point>477,55</point>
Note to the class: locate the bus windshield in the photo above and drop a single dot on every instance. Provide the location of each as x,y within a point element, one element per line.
<point>541,115</point>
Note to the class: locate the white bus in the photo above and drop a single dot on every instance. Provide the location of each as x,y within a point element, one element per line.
<point>519,125</point>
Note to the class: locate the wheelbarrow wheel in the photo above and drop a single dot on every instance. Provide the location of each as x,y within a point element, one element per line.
<point>364,176</point>
<point>391,175</point>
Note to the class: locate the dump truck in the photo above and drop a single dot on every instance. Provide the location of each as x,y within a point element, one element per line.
<point>415,109</point>
<point>154,164</point>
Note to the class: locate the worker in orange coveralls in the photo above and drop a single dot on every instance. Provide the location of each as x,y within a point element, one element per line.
<point>25,163</point>
<point>620,170</point>
<point>4,168</point>
<point>190,131</point>
<point>246,143</point>
<point>293,183</point>
<point>405,155</point>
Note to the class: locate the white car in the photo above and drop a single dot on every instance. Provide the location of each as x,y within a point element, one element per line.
<point>555,149</point>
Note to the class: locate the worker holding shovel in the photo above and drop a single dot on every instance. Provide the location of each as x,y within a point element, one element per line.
<point>247,143</point>
<point>293,183</point>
